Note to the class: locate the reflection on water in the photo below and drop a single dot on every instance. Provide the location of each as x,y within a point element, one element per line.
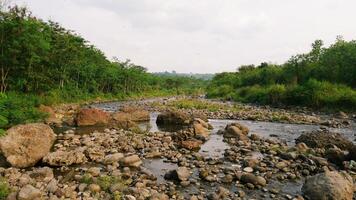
<point>159,168</point>
<point>154,127</point>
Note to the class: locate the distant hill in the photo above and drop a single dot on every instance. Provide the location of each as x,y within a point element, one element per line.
<point>194,75</point>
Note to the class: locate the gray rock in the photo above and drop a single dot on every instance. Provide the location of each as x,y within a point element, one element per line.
<point>29,192</point>
<point>329,185</point>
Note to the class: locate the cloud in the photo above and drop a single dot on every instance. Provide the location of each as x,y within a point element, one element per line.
<point>201,35</point>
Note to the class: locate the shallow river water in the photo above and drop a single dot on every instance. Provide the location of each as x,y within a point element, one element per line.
<point>215,147</point>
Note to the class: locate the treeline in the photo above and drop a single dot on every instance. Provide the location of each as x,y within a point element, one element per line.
<point>323,78</point>
<point>38,56</point>
<point>42,62</point>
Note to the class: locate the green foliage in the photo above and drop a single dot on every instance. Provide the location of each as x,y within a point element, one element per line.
<point>16,109</point>
<point>43,63</point>
<point>324,78</point>
<point>87,179</point>
<point>200,105</point>
<point>42,57</point>
<point>4,189</point>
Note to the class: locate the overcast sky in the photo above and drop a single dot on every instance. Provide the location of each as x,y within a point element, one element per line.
<point>201,36</point>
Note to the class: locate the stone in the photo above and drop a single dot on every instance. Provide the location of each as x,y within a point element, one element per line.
<point>191,144</point>
<point>235,132</point>
<point>52,186</point>
<point>244,130</point>
<point>113,158</point>
<point>44,174</point>
<point>91,117</point>
<point>65,158</point>
<point>183,173</point>
<point>29,192</point>
<point>94,188</point>
<point>329,185</point>
<point>248,169</point>
<point>200,130</point>
<point>52,118</point>
<point>131,161</point>
<point>131,113</point>
<point>253,179</point>
<point>335,155</point>
<point>24,145</point>
<point>180,174</point>
<point>174,117</point>
<point>324,139</point>
<point>94,171</point>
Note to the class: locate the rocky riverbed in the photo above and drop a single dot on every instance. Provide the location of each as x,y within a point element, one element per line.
<point>122,153</point>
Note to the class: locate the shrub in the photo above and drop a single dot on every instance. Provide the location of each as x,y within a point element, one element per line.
<point>4,189</point>
<point>18,108</point>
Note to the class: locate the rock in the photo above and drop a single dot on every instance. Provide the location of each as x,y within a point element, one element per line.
<point>24,145</point>
<point>183,173</point>
<point>301,147</point>
<point>174,117</point>
<point>352,153</point>
<point>324,139</point>
<point>94,171</point>
<point>52,118</point>
<point>44,174</point>
<point>131,161</point>
<point>65,158</point>
<point>255,180</point>
<point>52,186</point>
<point>180,174</point>
<point>191,144</point>
<point>329,185</point>
<point>335,155</point>
<point>95,153</point>
<point>131,113</point>
<point>91,117</point>
<point>200,130</point>
<point>248,169</point>
<point>243,128</point>
<point>113,158</point>
<point>158,196</point>
<point>251,162</point>
<point>342,115</point>
<point>234,132</point>
<point>29,192</point>
<point>94,188</point>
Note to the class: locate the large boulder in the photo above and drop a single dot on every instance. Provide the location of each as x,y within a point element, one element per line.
<point>200,128</point>
<point>24,145</point>
<point>173,117</point>
<point>136,114</point>
<point>329,186</point>
<point>236,130</point>
<point>324,139</point>
<point>92,116</point>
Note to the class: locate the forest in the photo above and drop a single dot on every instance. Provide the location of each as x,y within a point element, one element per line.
<point>324,78</point>
<point>43,63</point>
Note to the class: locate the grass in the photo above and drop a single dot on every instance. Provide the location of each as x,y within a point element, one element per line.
<point>19,108</point>
<point>4,189</point>
<point>201,105</point>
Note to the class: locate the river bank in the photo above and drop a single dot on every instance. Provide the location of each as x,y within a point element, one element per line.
<point>106,162</point>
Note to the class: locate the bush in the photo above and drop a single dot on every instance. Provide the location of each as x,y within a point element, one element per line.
<point>18,108</point>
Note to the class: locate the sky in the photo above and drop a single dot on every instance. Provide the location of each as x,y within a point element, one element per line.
<point>201,36</point>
